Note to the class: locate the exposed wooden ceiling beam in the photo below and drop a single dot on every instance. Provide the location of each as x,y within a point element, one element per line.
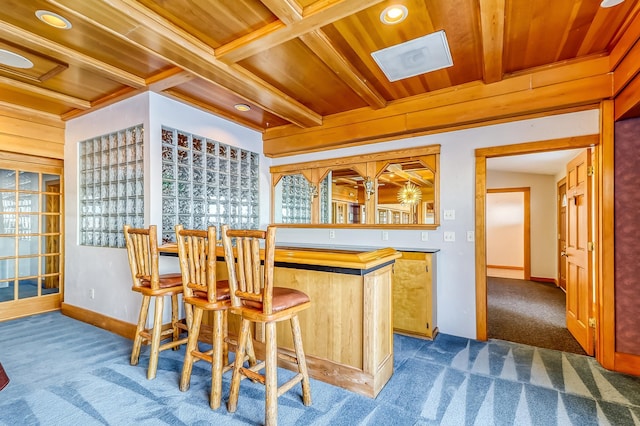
<point>277,33</point>
<point>492,25</point>
<point>11,32</point>
<point>47,93</point>
<point>167,79</point>
<point>112,98</point>
<point>289,12</point>
<point>320,44</point>
<point>143,28</point>
<point>181,97</point>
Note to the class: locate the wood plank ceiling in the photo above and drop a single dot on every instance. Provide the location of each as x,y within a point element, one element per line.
<point>293,62</point>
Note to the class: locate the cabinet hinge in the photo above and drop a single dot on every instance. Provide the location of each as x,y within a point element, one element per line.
<point>591,246</point>
<point>592,322</point>
<point>426,268</point>
<point>591,171</point>
<point>427,326</point>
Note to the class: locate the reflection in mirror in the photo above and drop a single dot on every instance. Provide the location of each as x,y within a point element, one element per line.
<point>406,194</point>
<point>293,196</point>
<point>325,199</point>
<point>347,197</point>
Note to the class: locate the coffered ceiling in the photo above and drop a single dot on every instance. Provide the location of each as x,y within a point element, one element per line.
<point>294,63</point>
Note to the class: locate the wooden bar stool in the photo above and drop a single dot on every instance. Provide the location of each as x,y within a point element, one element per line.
<point>197,253</point>
<point>256,300</point>
<point>142,247</point>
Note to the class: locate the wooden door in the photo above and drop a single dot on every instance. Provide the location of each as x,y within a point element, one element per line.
<point>579,279</point>
<point>562,234</point>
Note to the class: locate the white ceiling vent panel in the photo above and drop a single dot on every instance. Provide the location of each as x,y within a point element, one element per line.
<point>414,57</point>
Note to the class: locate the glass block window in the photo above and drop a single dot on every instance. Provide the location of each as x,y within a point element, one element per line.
<point>325,200</point>
<point>207,183</point>
<point>111,186</point>
<point>296,199</point>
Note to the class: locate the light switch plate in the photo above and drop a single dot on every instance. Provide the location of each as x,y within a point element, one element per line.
<point>424,236</point>
<point>385,235</point>
<point>449,215</point>
<point>470,236</point>
<point>449,236</point>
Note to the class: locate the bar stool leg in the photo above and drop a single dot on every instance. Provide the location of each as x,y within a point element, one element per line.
<point>142,321</point>
<point>271,373</point>
<point>155,338</point>
<point>216,365</point>
<point>174,320</point>
<point>302,361</point>
<point>232,404</point>
<point>194,331</point>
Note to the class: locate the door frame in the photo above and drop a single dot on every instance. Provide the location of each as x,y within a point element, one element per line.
<point>526,221</point>
<point>602,144</point>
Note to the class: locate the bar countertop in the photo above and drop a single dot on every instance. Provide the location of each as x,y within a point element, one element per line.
<point>352,257</point>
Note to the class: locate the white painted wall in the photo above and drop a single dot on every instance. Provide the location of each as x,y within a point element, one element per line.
<point>106,270</point>
<point>505,229</point>
<point>544,229</point>
<point>456,260</point>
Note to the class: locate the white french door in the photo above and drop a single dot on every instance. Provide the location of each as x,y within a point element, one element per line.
<point>31,258</point>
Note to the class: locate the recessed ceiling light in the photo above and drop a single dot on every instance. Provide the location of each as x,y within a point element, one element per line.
<point>394,14</point>
<point>14,60</point>
<point>610,3</point>
<point>53,19</point>
<point>242,107</point>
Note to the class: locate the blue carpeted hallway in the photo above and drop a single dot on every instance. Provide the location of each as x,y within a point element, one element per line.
<point>65,372</point>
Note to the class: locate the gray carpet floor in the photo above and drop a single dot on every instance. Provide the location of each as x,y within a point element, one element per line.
<point>529,312</point>
<point>65,372</point>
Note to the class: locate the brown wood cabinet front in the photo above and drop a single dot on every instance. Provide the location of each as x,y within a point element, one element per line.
<point>414,301</point>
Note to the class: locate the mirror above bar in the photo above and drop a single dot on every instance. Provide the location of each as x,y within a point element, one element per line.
<point>392,189</point>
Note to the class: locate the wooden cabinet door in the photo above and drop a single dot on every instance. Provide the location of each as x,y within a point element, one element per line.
<point>413,294</point>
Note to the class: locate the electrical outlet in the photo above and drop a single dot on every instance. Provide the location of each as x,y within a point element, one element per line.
<point>449,236</point>
<point>332,233</point>
<point>385,235</point>
<point>449,215</point>
<point>424,236</point>
<point>470,236</point>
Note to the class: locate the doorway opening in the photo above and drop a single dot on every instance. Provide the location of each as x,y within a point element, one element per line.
<point>509,233</point>
<point>545,280</point>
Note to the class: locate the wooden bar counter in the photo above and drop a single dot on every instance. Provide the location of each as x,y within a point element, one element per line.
<point>348,330</point>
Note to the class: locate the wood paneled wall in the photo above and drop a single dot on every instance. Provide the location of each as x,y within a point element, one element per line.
<point>32,133</point>
<point>627,227</point>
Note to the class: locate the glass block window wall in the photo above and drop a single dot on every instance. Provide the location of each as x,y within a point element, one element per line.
<point>207,183</point>
<point>111,186</point>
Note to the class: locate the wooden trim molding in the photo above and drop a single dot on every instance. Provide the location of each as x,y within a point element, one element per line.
<point>481,247</point>
<point>627,363</point>
<point>605,292</point>
<point>544,280</point>
<point>512,268</point>
<point>97,319</point>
